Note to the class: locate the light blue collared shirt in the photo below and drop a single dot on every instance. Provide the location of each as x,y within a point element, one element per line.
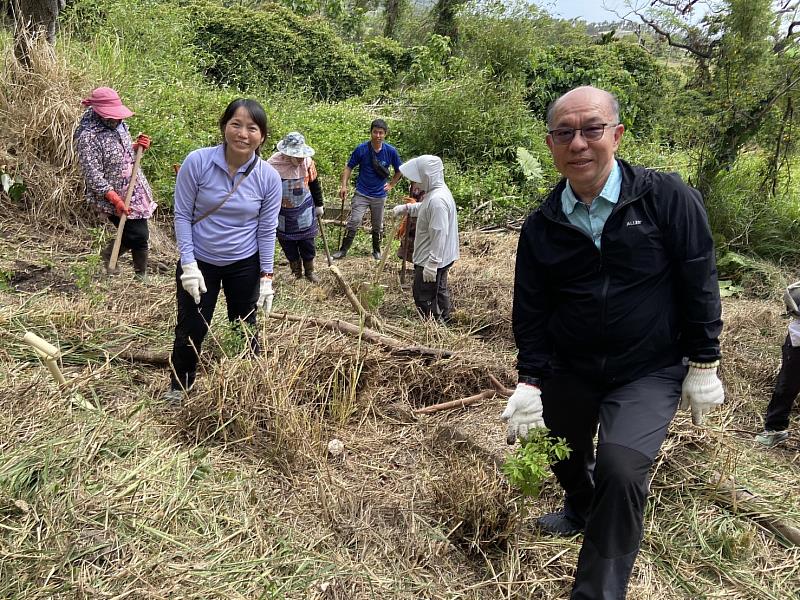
<point>592,218</point>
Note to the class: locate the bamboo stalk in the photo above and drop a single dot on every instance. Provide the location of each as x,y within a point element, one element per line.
<point>460,403</point>
<point>742,499</point>
<point>370,320</point>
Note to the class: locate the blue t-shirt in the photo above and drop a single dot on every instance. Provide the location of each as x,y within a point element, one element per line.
<point>369,183</point>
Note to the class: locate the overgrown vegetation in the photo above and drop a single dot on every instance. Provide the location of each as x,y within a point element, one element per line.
<point>104,491</point>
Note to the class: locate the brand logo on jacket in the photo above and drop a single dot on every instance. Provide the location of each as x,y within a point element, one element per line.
<point>632,223</point>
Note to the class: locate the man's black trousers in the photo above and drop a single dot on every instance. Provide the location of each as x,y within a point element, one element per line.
<point>786,388</point>
<point>607,488</point>
<point>240,281</point>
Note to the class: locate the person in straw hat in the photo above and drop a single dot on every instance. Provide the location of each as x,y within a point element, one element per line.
<point>301,203</point>
<point>787,386</point>
<point>106,155</point>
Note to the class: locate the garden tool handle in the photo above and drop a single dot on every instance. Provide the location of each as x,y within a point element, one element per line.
<point>112,262</point>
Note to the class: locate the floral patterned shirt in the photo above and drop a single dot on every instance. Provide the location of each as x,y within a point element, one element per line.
<point>106,158</point>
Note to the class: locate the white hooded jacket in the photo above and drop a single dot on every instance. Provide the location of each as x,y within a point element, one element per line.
<point>436,241</point>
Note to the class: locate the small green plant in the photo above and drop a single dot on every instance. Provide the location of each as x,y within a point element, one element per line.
<point>529,465</point>
<point>14,187</point>
<point>85,272</point>
<point>6,277</point>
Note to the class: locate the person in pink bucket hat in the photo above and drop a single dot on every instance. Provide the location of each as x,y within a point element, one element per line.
<point>106,155</point>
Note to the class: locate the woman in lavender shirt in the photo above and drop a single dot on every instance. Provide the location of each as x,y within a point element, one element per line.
<point>226,211</point>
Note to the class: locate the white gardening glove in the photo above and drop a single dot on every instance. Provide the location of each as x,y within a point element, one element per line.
<point>192,281</point>
<point>265,294</point>
<point>428,274</point>
<point>702,391</point>
<point>319,210</point>
<point>400,209</point>
<point>523,412</point>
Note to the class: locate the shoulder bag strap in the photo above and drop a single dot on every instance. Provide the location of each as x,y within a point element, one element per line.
<point>225,199</point>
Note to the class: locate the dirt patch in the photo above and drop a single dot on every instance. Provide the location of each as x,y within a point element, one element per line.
<point>29,277</point>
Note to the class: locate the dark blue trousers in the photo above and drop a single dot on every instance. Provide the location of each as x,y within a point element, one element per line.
<point>606,486</point>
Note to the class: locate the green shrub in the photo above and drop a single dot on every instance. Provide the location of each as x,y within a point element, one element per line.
<point>747,219</point>
<point>627,71</point>
<point>470,120</point>
<point>273,48</point>
<point>332,129</point>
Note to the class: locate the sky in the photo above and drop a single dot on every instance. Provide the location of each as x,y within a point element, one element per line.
<point>588,10</point>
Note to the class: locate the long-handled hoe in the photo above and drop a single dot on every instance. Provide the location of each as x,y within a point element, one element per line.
<point>112,262</point>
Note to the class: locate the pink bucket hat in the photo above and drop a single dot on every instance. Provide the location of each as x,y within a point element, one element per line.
<point>106,103</point>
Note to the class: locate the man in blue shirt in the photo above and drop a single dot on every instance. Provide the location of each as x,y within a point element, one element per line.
<point>373,159</point>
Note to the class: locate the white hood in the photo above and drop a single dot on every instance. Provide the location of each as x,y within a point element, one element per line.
<point>427,171</point>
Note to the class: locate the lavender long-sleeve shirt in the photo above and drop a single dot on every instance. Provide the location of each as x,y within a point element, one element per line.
<point>245,224</point>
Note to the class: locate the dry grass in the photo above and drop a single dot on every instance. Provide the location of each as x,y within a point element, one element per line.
<point>107,493</point>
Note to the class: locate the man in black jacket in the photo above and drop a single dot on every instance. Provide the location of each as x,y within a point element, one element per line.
<point>616,318</point>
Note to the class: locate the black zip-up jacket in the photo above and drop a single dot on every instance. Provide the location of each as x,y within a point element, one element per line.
<point>643,301</point>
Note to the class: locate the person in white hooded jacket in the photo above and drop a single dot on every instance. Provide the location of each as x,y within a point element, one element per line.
<point>436,242</point>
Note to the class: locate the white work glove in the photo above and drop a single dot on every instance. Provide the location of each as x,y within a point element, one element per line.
<point>192,281</point>
<point>265,294</point>
<point>702,391</point>
<point>400,209</point>
<point>429,274</point>
<point>523,412</point>
<point>319,210</point>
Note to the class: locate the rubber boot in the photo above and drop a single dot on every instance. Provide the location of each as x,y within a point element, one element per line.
<point>140,263</point>
<point>308,265</point>
<point>297,269</point>
<point>346,243</point>
<point>105,254</point>
<point>376,245</point>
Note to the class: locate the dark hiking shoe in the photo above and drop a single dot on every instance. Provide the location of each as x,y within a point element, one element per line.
<point>346,243</point>
<point>558,523</point>
<point>376,245</point>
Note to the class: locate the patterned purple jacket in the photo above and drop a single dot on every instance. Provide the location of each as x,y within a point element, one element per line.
<point>106,157</point>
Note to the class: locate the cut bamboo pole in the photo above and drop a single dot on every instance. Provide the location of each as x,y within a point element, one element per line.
<point>742,499</point>
<point>47,353</point>
<point>460,403</point>
<point>369,319</point>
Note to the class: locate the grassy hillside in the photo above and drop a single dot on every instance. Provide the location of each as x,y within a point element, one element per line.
<point>106,492</point>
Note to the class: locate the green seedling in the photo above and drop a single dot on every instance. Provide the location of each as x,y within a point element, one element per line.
<point>529,465</point>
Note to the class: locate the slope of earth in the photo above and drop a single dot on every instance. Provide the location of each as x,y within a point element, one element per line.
<point>106,492</point>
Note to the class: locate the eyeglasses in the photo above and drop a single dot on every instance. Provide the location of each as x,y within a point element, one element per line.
<point>590,133</point>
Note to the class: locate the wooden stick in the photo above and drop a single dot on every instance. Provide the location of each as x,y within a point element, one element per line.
<point>325,242</point>
<point>112,262</point>
<point>742,499</point>
<point>406,235</point>
<point>370,320</point>
<point>394,345</point>
<point>388,246</point>
<point>460,403</point>
<point>501,389</point>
